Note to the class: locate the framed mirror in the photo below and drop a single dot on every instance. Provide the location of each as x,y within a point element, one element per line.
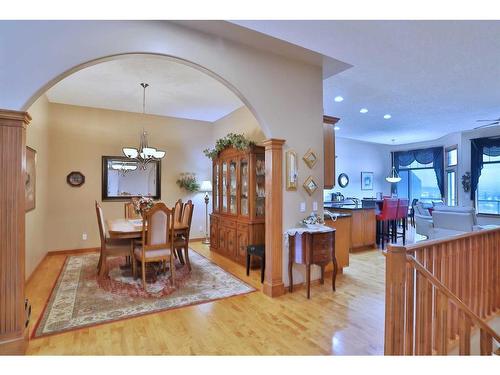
<point>343,180</point>
<point>123,178</point>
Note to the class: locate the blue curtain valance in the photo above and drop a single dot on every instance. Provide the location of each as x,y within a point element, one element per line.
<point>423,156</point>
<point>478,148</point>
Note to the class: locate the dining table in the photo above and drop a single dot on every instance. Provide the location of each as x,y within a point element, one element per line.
<point>132,228</point>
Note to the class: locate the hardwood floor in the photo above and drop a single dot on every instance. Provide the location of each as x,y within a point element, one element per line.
<point>347,322</point>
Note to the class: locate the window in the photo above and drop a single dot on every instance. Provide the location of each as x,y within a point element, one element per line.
<point>451,156</point>
<point>488,188</point>
<point>418,181</point>
<point>451,176</point>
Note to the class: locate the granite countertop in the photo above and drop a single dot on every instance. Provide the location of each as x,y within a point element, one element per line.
<point>340,215</point>
<point>352,206</point>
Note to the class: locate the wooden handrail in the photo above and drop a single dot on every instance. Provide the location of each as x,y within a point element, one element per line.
<point>443,289</point>
<point>451,239</point>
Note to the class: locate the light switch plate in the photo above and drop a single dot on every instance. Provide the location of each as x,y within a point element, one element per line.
<point>84,236</point>
<point>302,206</point>
<point>315,206</point>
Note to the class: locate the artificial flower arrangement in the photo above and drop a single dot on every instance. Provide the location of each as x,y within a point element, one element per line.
<point>142,204</point>
<point>238,141</point>
<point>313,220</point>
<point>188,181</point>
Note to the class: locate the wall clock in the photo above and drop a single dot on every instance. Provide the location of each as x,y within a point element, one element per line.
<point>75,179</point>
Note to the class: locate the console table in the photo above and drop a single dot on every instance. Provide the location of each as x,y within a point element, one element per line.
<point>311,246</point>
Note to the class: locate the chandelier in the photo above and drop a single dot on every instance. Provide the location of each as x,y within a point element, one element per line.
<point>124,167</point>
<point>143,154</point>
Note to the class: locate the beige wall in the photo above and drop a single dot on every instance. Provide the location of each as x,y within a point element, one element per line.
<point>80,136</point>
<point>240,121</point>
<point>37,137</point>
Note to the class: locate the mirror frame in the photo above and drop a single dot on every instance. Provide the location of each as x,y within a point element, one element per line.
<point>104,180</point>
<point>340,179</point>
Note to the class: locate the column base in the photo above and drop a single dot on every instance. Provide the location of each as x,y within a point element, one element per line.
<point>15,346</point>
<point>275,290</point>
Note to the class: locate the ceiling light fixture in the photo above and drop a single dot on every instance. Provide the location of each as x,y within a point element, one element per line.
<point>143,154</point>
<point>363,110</point>
<point>338,99</point>
<point>336,128</point>
<point>394,175</point>
<point>387,116</point>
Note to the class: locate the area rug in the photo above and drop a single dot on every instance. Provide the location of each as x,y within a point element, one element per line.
<point>81,299</point>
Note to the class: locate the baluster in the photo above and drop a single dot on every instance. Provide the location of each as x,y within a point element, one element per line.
<point>486,344</point>
<point>429,288</point>
<point>419,311</point>
<point>482,279</point>
<point>441,323</point>
<point>464,334</point>
<point>437,254</point>
<point>410,321</point>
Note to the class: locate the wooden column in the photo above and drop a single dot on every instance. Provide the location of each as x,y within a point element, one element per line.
<point>273,280</point>
<point>13,335</point>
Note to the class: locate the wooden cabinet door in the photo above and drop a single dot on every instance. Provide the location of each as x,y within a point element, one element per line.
<point>214,233</point>
<point>222,239</point>
<point>231,242</point>
<point>369,223</point>
<point>242,241</point>
<point>357,229</point>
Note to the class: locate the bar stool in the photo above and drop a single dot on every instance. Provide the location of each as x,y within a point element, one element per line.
<point>259,251</point>
<point>402,214</point>
<point>386,219</point>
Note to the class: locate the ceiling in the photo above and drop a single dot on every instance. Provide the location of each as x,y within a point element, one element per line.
<point>432,77</point>
<point>176,90</point>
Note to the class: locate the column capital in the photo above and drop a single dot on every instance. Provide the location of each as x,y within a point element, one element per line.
<point>273,143</point>
<point>14,118</point>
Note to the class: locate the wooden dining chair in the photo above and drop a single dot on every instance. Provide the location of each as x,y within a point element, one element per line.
<point>182,237</point>
<point>158,243</point>
<point>110,247</point>
<point>178,211</point>
<point>130,210</point>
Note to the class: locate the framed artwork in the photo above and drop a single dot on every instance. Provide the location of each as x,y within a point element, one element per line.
<point>366,180</point>
<point>30,182</point>
<point>310,185</point>
<point>310,158</point>
<point>75,179</point>
<point>291,170</point>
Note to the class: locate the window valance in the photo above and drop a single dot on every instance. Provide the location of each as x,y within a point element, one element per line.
<point>478,148</point>
<point>434,155</point>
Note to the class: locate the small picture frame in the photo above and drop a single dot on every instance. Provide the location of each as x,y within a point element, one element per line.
<point>310,158</point>
<point>310,185</point>
<point>292,175</point>
<point>366,180</point>
<point>75,179</point>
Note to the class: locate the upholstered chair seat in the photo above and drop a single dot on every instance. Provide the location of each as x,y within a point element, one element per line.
<point>151,253</point>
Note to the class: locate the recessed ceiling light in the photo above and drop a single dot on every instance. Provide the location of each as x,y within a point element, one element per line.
<point>338,99</point>
<point>363,110</point>
<point>336,128</point>
<point>387,117</point>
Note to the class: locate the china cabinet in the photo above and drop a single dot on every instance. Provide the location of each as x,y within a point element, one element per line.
<point>238,204</point>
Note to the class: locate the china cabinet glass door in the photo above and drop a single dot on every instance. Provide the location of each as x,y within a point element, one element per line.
<point>224,186</point>
<point>216,190</point>
<point>260,190</point>
<point>232,187</point>
<point>244,185</point>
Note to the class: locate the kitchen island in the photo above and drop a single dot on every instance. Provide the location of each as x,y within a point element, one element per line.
<point>362,226</point>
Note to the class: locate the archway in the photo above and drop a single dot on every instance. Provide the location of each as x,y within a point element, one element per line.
<point>14,124</point>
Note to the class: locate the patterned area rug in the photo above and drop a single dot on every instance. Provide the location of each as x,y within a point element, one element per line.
<point>81,299</point>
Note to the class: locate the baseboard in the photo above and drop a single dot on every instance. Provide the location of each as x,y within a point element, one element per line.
<point>74,251</point>
<point>35,269</point>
